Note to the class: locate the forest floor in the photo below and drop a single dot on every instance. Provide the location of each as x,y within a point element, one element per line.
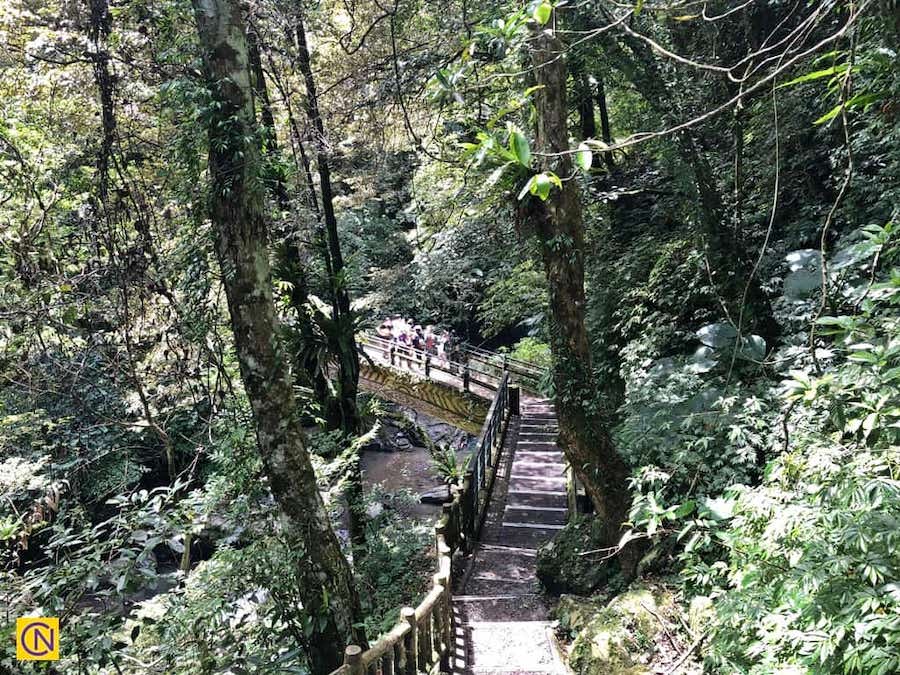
<point>501,616</point>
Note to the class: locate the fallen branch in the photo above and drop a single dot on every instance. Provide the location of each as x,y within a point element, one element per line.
<point>684,657</point>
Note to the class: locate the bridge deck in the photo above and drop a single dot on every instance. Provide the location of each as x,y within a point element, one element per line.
<point>501,618</point>
<point>443,372</point>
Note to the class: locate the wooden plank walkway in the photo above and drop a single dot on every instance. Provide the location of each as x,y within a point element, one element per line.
<point>501,617</point>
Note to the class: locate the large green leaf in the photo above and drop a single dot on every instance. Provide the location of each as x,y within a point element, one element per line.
<point>540,185</point>
<point>520,147</point>
<point>816,75</point>
<point>584,157</point>
<point>542,13</point>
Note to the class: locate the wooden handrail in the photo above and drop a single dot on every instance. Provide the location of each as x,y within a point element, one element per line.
<point>423,636</point>
<point>493,364</point>
<point>463,371</point>
<point>511,362</point>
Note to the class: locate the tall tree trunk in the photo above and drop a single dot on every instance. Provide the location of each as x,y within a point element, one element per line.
<point>557,224</point>
<point>236,208</point>
<point>266,117</point>
<point>605,130</point>
<point>585,106</point>
<point>346,415</point>
<point>98,34</point>
<point>290,254</point>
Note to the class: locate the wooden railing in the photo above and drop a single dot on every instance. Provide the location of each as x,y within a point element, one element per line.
<point>459,373</point>
<point>423,637</point>
<point>528,374</point>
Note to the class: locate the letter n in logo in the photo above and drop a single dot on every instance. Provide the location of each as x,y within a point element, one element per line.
<point>37,638</point>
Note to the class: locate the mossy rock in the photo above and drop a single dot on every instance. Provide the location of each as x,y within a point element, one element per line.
<point>701,613</point>
<point>560,565</point>
<point>616,637</point>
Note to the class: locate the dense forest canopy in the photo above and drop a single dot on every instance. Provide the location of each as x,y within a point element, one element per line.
<point>686,211</point>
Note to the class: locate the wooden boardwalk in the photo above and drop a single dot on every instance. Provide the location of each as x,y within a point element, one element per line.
<point>494,619</point>
<point>501,617</point>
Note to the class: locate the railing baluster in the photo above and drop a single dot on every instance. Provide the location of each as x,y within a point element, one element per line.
<point>353,659</point>
<point>437,636</point>
<point>425,642</point>
<point>399,656</point>
<point>411,641</point>
<point>445,628</point>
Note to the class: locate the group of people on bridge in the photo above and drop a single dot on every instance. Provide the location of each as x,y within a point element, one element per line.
<point>412,343</point>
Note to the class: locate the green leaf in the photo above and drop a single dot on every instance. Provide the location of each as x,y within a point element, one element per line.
<point>860,100</point>
<point>584,157</point>
<point>685,509</point>
<point>830,115</point>
<point>541,186</point>
<point>816,75</point>
<point>526,189</point>
<point>638,6</point>
<point>445,83</point>
<point>542,13</point>
<point>519,146</point>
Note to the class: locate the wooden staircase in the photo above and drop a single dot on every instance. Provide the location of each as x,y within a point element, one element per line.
<point>500,617</point>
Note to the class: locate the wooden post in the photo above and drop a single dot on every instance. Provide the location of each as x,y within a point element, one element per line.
<point>514,398</point>
<point>465,503</point>
<point>426,653</point>
<point>393,354</point>
<point>353,659</point>
<point>411,641</point>
<point>466,377</point>
<point>437,615</point>
<point>446,621</point>
<point>427,365</point>
<point>446,526</point>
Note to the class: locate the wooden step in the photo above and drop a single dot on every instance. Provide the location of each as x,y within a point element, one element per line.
<point>538,445</point>
<point>551,465</point>
<point>491,586</point>
<point>469,609</point>
<point>530,498</point>
<point>525,514</point>
<point>543,484</point>
<point>521,537</point>
<point>533,526</point>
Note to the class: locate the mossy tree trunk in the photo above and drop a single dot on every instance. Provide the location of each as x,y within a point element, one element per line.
<point>237,212</point>
<point>557,224</point>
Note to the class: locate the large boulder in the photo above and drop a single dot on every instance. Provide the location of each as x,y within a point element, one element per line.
<point>435,495</point>
<point>619,637</point>
<point>397,432</point>
<point>562,568</point>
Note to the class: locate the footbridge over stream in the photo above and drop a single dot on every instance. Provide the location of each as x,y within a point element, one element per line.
<point>485,612</point>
